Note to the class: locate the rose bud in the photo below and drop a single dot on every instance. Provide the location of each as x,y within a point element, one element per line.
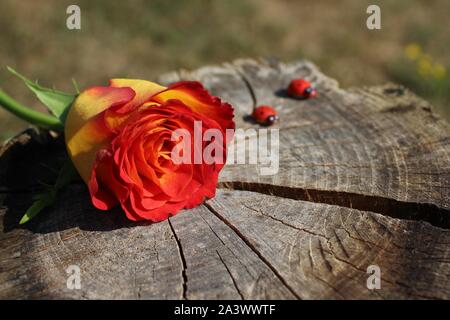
<point>120,139</point>
<point>302,89</point>
<point>265,115</point>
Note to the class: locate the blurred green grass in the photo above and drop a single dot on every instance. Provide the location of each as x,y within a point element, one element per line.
<point>145,38</point>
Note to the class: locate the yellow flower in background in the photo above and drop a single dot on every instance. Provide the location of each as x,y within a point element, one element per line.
<point>424,62</point>
<point>439,71</point>
<point>425,66</point>
<point>413,51</point>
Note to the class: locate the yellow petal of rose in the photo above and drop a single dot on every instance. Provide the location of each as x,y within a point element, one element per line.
<point>85,131</point>
<point>144,89</point>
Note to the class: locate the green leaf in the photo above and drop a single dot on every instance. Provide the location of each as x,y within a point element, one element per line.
<point>47,199</point>
<point>57,102</point>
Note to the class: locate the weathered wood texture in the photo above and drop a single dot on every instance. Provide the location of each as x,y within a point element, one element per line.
<point>364,179</point>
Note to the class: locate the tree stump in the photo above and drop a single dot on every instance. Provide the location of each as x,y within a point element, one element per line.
<point>364,179</point>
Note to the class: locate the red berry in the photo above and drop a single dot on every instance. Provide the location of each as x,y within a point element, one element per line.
<point>300,88</point>
<point>265,115</point>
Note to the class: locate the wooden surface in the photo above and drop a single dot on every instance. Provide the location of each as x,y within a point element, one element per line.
<point>364,179</point>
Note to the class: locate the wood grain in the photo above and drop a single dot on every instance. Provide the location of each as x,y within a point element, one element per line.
<point>364,179</point>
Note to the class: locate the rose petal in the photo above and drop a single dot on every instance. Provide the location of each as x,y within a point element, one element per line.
<point>85,132</point>
<point>198,99</point>
<point>173,183</point>
<point>105,188</point>
<point>155,215</point>
<point>144,91</point>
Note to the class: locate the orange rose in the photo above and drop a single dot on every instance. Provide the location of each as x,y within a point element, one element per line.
<point>120,139</point>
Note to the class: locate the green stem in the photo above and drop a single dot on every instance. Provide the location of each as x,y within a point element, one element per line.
<point>34,117</point>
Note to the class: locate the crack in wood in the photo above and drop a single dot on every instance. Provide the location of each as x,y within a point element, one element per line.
<point>427,212</point>
<point>182,258</point>
<point>247,85</point>
<point>285,223</point>
<point>329,285</point>
<point>383,279</point>
<point>253,248</point>
<point>339,242</point>
<point>231,275</point>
